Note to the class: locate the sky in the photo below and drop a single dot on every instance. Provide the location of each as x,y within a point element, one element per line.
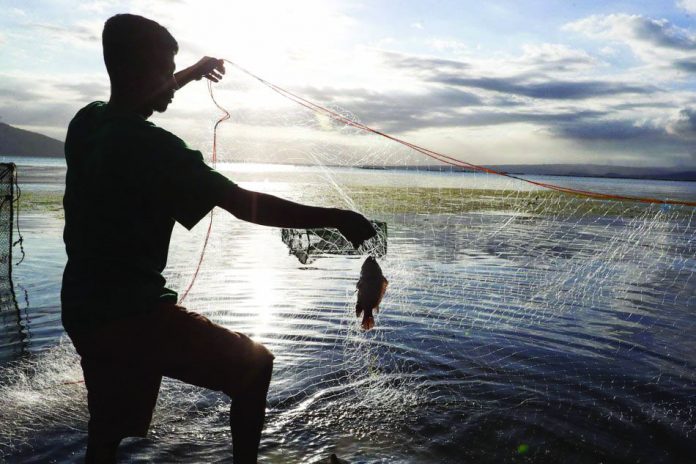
<point>489,82</point>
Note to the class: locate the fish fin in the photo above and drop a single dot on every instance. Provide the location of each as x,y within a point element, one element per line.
<point>382,289</point>
<point>368,322</point>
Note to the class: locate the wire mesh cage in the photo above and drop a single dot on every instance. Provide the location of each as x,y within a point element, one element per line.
<point>7,176</point>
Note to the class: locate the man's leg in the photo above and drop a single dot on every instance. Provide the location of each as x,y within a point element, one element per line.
<point>184,345</point>
<point>99,452</point>
<point>247,414</point>
<point>121,390</point>
<point>197,351</point>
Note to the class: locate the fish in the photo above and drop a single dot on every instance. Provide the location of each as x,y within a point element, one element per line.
<point>371,287</point>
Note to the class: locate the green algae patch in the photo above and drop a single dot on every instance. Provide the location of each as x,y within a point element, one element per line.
<point>542,203</point>
<point>41,202</point>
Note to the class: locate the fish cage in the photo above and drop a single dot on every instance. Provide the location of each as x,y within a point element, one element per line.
<point>11,335</point>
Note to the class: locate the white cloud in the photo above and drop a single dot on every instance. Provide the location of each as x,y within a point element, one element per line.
<point>448,45</point>
<point>556,57</point>
<point>688,5</point>
<point>636,31</point>
<point>665,49</point>
<point>80,33</point>
<point>417,25</point>
<point>98,6</point>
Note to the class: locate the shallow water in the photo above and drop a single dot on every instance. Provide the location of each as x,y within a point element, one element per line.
<point>502,338</point>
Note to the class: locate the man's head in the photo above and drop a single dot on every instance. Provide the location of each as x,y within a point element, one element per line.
<point>139,57</point>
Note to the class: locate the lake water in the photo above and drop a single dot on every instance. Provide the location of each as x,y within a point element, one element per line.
<point>504,336</point>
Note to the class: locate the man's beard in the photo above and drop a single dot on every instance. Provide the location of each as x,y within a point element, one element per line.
<point>162,101</point>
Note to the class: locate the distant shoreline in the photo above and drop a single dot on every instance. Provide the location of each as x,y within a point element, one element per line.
<point>562,170</point>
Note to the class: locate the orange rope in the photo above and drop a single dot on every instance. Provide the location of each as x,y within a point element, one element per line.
<point>223,118</point>
<point>449,159</point>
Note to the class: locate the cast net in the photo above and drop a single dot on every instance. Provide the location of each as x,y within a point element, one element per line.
<point>526,317</point>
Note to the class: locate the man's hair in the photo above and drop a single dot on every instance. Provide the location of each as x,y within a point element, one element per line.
<point>134,42</point>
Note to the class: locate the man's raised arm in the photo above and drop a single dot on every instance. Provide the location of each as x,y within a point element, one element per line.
<point>208,67</point>
<point>268,210</point>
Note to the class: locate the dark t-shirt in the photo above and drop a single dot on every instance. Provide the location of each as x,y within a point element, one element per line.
<point>127,182</point>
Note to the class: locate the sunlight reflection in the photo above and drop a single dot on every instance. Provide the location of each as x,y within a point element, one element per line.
<point>263,283</point>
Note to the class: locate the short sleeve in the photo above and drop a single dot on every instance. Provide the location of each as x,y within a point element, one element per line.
<point>188,188</point>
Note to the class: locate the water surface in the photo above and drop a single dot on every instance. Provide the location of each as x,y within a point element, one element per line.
<point>503,337</point>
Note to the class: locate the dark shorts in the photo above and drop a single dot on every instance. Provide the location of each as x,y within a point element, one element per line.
<point>123,363</point>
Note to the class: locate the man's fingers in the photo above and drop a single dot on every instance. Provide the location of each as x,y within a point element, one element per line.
<point>214,70</point>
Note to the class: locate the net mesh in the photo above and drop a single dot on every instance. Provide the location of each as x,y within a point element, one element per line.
<point>517,320</point>
<point>10,333</point>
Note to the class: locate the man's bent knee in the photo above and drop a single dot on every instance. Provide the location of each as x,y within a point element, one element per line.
<point>254,372</point>
<point>264,362</point>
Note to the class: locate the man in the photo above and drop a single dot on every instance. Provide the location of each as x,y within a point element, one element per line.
<point>128,181</point>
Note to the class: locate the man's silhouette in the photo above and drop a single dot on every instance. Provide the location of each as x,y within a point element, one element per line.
<point>128,181</point>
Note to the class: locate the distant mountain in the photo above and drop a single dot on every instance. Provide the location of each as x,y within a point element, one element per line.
<point>20,142</point>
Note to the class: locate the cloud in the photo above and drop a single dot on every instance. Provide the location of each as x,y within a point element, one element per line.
<point>50,102</point>
<point>687,64</point>
<point>631,141</point>
<point>86,90</point>
<point>79,34</point>
<point>684,125</point>
<point>437,107</point>
<point>687,5</point>
<point>97,6</point>
<point>17,12</point>
<point>17,94</point>
<point>634,30</point>
<point>607,130</point>
<point>556,57</point>
<point>448,45</point>
<point>531,75</point>
<point>662,46</point>
<point>399,111</point>
<point>425,65</point>
<point>549,89</point>
<point>417,25</point>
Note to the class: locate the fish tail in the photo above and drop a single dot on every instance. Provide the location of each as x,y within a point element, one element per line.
<point>368,322</point>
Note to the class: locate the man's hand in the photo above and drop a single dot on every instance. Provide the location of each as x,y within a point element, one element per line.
<point>208,67</point>
<point>355,227</point>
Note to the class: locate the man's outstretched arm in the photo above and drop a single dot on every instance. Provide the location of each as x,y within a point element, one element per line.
<point>268,210</point>
<point>208,67</point>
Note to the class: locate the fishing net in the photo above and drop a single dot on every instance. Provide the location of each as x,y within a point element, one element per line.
<point>545,317</point>
<point>526,317</point>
